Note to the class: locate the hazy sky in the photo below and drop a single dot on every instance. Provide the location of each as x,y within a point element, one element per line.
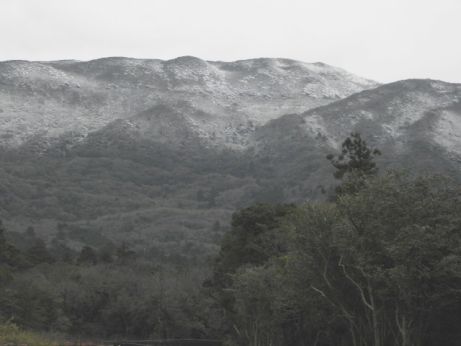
<point>384,40</point>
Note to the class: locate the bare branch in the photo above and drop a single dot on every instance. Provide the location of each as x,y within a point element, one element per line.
<point>362,293</point>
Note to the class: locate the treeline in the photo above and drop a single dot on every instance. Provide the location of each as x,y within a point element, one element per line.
<point>30,250</point>
<point>378,263</point>
<point>102,293</point>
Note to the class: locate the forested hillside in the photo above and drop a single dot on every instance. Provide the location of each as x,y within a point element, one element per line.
<point>196,199</point>
<point>376,263</point>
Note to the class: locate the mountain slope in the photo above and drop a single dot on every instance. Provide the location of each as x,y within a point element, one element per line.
<point>49,99</point>
<point>415,123</point>
<point>158,154</point>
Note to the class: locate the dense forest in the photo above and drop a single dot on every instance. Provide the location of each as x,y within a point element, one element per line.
<point>377,262</point>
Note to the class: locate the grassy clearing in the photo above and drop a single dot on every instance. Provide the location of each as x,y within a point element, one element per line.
<point>12,335</point>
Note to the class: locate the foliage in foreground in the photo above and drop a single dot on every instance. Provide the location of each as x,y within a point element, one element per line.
<point>380,266</point>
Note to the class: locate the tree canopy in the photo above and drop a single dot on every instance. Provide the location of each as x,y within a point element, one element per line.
<point>380,266</point>
<point>355,157</point>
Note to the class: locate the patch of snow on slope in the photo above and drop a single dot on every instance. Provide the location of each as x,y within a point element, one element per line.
<point>404,113</point>
<point>316,127</point>
<point>448,132</point>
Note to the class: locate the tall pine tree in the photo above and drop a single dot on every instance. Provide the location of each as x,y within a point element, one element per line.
<point>355,157</point>
<point>354,164</point>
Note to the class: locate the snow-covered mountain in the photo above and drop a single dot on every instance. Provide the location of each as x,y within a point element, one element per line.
<point>395,113</point>
<point>415,123</point>
<point>218,102</point>
<point>156,152</point>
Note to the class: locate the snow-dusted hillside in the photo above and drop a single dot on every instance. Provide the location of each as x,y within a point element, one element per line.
<point>127,147</point>
<point>219,102</point>
<point>397,113</point>
<point>416,124</point>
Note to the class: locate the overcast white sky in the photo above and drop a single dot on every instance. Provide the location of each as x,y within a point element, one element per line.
<point>385,40</point>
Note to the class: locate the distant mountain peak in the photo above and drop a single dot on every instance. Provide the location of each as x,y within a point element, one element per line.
<point>186,59</point>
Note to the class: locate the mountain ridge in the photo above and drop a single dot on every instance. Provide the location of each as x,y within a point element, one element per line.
<point>123,152</point>
<point>51,98</point>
